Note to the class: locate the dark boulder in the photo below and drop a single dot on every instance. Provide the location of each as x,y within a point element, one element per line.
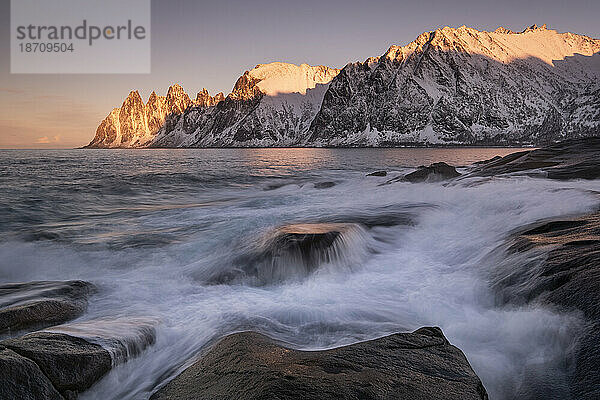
<point>416,366</point>
<point>35,305</point>
<point>563,271</point>
<point>378,173</point>
<point>434,173</point>
<point>22,379</point>
<point>571,159</point>
<point>72,364</point>
<point>289,252</point>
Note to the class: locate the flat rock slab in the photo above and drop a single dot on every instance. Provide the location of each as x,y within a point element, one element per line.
<point>416,366</point>
<point>571,159</point>
<point>36,305</point>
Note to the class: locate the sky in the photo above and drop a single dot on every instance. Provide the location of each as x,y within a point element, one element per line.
<point>209,44</point>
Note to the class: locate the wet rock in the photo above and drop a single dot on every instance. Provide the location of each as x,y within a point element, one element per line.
<point>563,271</point>
<point>418,365</point>
<point>571,159</point>
<point>291,252</point>
<point>41,304</point>
<point>378,173</point>
<point>123,338</point>
<point>71,364</point>
<point>22,379</point>
<point>495,158</point>
<point>434,173</point>
<point>73,358</point>
<point>324,185</point>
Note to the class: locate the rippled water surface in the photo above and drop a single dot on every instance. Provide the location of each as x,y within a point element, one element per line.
<point>152,228</point>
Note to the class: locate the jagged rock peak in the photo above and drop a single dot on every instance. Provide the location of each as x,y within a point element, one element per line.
<point>175,90</point>
<point>177,99</point>
<point>504,30</point>
<point>133,97</point>
<point>534,27</point>
<point>204,99</point>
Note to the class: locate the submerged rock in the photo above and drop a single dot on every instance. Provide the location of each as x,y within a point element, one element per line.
<point>434,173</point>
<point>563,270</point>
<point>378,173</point>
<point>292,252</point>
<point>324,185</point>
<point>417,366</point>
<point>571,159</point>
<point>41,304</point>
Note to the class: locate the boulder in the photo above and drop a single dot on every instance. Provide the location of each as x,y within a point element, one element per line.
<point>417,366</point>
<point>35,305</point>
<point>68,364</point>
<point>434,173</point>
<point>22,379</point>
<point>71,364</point>
<point>289,252</point>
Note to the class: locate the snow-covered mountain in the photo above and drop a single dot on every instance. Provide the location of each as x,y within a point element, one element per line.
<point>135,124</point>
<point>464,86</point>
<point>270,105</point>
<point>449,86</point>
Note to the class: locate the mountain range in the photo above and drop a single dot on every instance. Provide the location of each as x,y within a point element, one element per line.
<point>451,86</point>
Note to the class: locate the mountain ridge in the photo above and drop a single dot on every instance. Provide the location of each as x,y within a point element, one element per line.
<point>450,86</point>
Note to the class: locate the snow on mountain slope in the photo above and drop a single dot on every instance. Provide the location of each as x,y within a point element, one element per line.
<point>464,86</point>
<point>270,105</point>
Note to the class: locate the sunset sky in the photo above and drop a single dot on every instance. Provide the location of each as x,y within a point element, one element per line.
<point>210,44</point>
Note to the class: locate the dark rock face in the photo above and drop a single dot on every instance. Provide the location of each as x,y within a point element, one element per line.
<point>564,270</point>
<point>287,253</point>
<point>71,364</point>
<point>571,159</point>
<point>417,366</point>
<point>41,304</point>
<point>22,379</point>
<point>434,173</point>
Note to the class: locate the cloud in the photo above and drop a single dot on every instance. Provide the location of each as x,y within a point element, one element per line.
<point>46,139</point>
<point>43,140</point>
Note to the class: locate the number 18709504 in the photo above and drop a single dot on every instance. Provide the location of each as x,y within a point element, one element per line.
<point>42,47</point>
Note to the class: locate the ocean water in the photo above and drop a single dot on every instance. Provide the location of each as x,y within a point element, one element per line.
<point>152,228</point>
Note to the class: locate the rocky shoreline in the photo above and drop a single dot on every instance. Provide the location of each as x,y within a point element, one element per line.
<point>43,356</point>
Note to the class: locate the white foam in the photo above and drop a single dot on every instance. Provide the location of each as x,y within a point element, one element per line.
<point>433,273</point>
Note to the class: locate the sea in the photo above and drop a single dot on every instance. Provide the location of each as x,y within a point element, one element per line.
<point>153,228</point>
